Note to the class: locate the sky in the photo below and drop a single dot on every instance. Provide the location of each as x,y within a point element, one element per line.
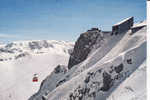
<point>63,19</point>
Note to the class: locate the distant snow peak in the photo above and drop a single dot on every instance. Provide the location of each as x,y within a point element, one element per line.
<point>21,49</point>
<point>21,60</point>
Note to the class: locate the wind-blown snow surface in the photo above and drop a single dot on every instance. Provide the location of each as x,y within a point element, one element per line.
<point>110,76</point>
<point>21,60</point>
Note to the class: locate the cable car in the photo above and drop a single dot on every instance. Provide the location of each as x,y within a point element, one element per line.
<point>35,78</point>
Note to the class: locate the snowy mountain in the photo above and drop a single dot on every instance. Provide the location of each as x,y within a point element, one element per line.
<point>19,49</point>
<point>101,67</point>
<point>22,59</point>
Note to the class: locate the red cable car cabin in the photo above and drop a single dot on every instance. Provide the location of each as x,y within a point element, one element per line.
<point>35,78</point>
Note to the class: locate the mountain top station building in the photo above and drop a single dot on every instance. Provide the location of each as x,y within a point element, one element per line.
<point>138,26</point>
<point>94,29</point>
<point>123,26</point>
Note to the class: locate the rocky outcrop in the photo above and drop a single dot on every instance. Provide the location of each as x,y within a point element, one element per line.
<point>50,83</point>
<point>83,46</point>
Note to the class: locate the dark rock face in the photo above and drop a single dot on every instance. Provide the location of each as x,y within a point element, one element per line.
<point>34,45</point>
<point>9,45</point>
<point>87,79</point>
<point>107,82</point>
<point>83,46</point>
<point>80,92</point>
<point>60,82</point>
<point>135,29</point>
<point>21,55</point>
<point>46,87</point>
<point>129,61</point>
<point>60,69</point>
<point>119,68</point>
<point>44,98</point>
<point>123,26</point>
<point>6,50</point>
<point>39,44</point>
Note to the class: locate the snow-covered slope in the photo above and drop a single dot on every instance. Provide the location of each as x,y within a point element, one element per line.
<point>103,73</point>
<point>38,57</point>
<point>99,81</point>
<point>133,88</point>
